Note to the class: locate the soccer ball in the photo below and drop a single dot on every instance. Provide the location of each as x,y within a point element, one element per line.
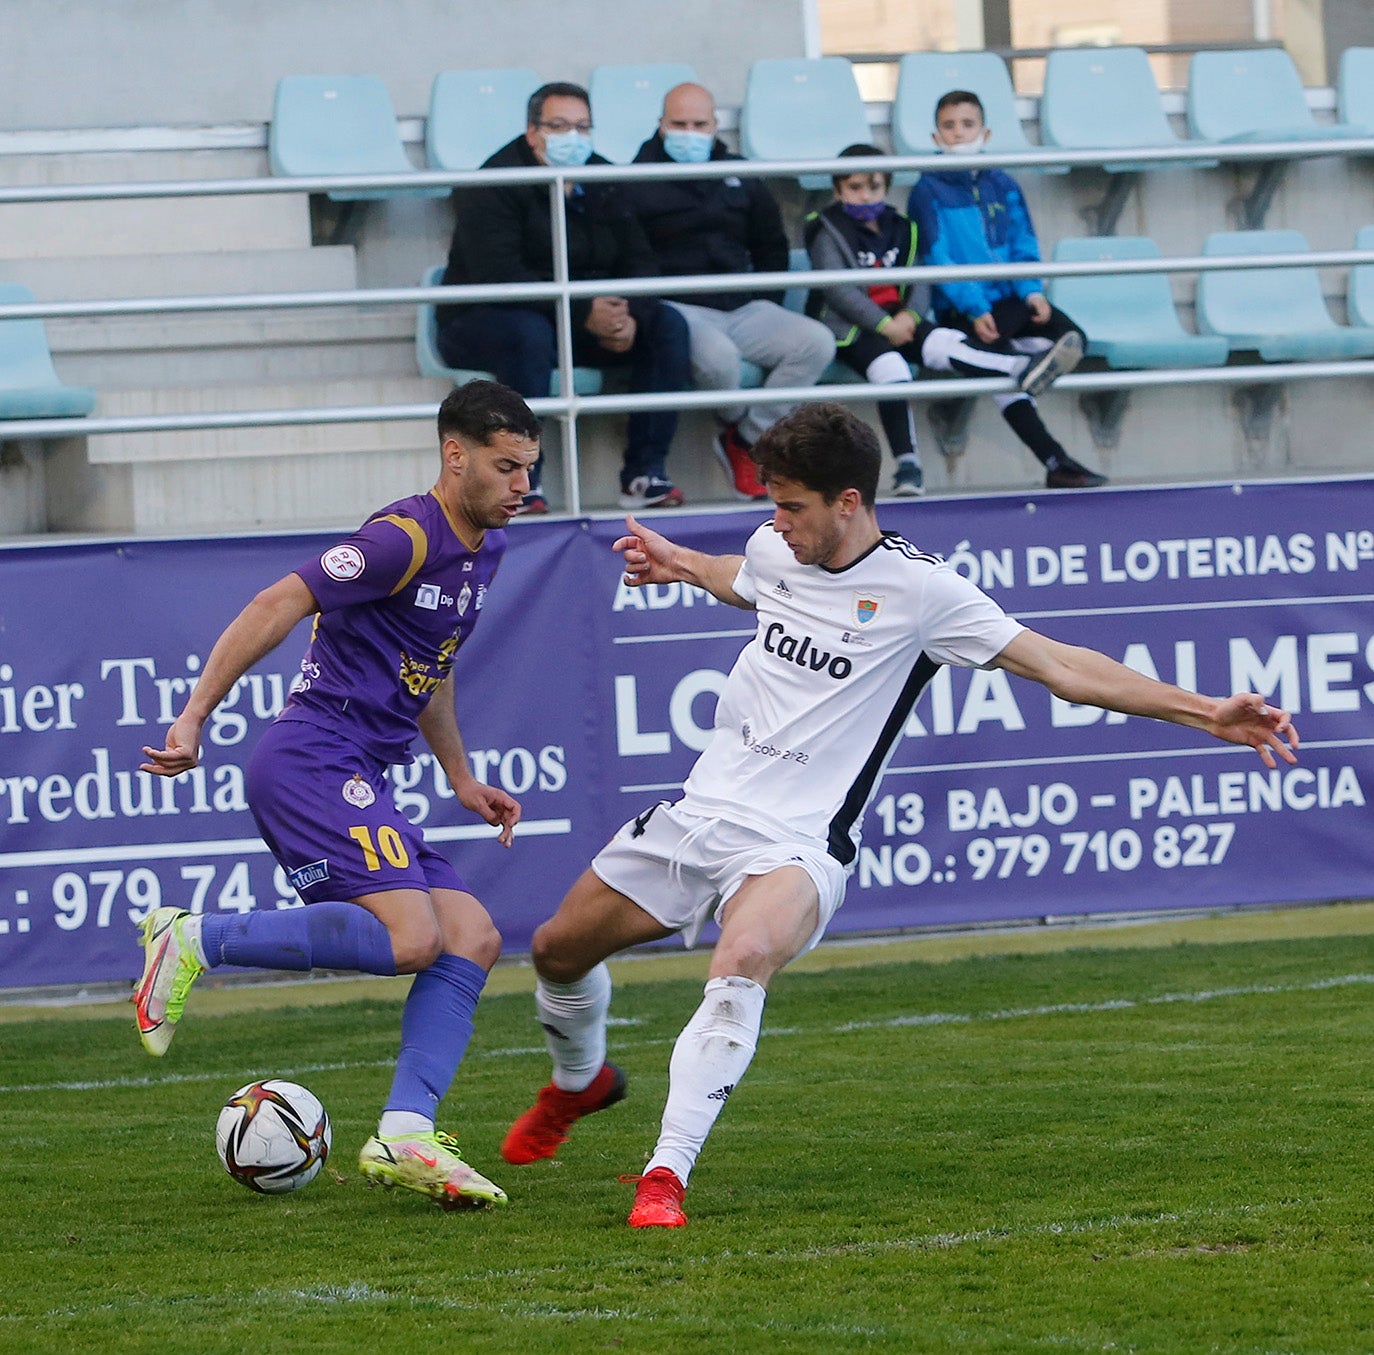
<point>273,1136</point>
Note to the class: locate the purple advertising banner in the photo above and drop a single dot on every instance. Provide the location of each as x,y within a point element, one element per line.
<point>589,700</point>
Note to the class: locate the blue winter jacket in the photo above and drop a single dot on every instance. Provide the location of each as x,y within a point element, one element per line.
<point>969,216</point>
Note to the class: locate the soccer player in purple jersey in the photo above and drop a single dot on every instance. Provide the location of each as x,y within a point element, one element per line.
<point>392,603</point>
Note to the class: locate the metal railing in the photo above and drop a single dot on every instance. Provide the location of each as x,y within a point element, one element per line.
<point>562,290</point>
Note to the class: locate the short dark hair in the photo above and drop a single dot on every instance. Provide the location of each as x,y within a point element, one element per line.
<point>481,409</point>
<point>558,89</point>
<point>822,447</point>
<point>861,148</point>
<point>960,96</point>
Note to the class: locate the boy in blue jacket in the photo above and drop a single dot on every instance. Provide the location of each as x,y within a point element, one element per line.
<point>977,216</point>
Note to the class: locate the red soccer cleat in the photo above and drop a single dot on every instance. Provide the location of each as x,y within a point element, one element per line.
<point>658,1200</point>
<point>543,1129</point>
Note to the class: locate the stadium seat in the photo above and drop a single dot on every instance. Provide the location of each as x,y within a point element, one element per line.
<point>338,124</point>
<point>472,114</point>
<point>1360,297</point>
<point>1129,318</point>
<point>1355,90</point>
<point>586,380</point>
<point>922,77</point>
<point>29,388</point>
<point>1102,98</point>
<point>626,104</point>
<point>1252,96</point>
<point>802,109</point>
<point>1280,312</point>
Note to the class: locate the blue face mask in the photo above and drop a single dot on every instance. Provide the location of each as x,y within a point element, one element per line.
<point>566,149</point>
<point>864,211</point>
<point>688,148</point>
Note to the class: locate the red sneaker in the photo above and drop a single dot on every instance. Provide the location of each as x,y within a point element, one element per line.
<point>543,1129</point>
<point>658,1200</point>
<point>733,454</point>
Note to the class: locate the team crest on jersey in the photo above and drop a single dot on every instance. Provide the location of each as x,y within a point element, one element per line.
<point>464,598</point>
<point>865,608</point>
<point>343,562</point>
<point>358,793</point>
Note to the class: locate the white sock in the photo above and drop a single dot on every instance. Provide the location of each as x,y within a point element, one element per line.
<point>397,1122</point>
<point>574,1019</point>
<point>1010,398</point>
<point>1034,345</point>
<point>710,1057</point>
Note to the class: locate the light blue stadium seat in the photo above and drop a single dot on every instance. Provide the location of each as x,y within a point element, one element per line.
<point>1280,312</point>
<point>338,124</point>
<point>1361,295</point>
<point>586,380</point>
<point>799,109</point>
<point>472,114</point>
<point>626,104</point>
<point>922,77</point>
<point>1129,318</point>
<point>29,388</point>
<point>1251,96</point>
<point>1355,90</point>
<point>1102,98</point>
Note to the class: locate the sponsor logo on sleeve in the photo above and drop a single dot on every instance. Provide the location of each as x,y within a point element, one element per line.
<point>343,562</point>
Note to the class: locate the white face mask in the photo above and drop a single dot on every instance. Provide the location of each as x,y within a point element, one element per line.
<point>964,147</point>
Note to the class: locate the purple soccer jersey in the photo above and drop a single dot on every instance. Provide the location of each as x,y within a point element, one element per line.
<point>397,600</point>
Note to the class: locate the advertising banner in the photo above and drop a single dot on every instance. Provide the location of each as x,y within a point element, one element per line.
<point>588,701</point>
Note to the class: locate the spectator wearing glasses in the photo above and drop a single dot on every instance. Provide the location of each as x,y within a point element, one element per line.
<point>504,234</point>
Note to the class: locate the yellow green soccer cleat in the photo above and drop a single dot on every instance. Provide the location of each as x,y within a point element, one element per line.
<point>430,1164</point>
<point>170,968</point>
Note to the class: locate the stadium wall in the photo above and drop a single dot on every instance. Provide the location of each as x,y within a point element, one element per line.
<point>81,63</point>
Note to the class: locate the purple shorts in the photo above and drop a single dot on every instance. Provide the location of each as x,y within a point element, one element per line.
<point>325,809</point>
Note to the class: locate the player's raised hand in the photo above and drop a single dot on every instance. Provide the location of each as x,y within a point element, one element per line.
<point>182,750</point>
<point>1247,718</point>
<point>648,556</point>
<point>492,804</point>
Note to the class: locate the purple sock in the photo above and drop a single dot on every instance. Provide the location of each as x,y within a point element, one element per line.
<point>435,1029</point>
<point>318,936</point>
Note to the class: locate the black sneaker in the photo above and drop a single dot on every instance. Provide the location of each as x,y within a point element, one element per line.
<point>1070,475</point>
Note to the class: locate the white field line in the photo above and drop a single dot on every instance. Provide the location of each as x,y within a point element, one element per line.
<point>1118,1004</point>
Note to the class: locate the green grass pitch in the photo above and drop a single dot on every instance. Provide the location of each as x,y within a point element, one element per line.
<point>1126,1149</point>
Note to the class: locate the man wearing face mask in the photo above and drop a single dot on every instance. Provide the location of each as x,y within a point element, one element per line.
<point>730,225</point>
<point>504,234</point>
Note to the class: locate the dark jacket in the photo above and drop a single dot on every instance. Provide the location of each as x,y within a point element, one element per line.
<point>503,234</point>
<point>699,226</point>
<point>836,240</point>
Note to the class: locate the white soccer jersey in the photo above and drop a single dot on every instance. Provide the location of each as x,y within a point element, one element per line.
<point>815,703</point>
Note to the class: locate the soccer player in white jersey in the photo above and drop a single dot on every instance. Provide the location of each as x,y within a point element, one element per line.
<point>852,624</point>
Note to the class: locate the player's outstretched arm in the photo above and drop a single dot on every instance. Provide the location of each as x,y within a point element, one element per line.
<point>439,724</point>
<point>1088,678</point>
<point>253,634</point>
<point>651,558</point>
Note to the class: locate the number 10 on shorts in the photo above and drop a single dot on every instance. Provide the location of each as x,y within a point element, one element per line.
<point>388,844</point>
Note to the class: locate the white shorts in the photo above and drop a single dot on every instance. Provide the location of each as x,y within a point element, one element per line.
<point>682,869</point>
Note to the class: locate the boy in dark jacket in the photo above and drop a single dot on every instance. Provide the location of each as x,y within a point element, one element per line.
<point>504,234</point>
<point>725,226</point>
<point>979,216</point>
<point>880,328</point>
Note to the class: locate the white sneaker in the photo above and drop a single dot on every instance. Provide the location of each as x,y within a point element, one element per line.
<point>1056,361</point>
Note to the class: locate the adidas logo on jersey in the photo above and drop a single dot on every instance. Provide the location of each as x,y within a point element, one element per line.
<point>782,590</point>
